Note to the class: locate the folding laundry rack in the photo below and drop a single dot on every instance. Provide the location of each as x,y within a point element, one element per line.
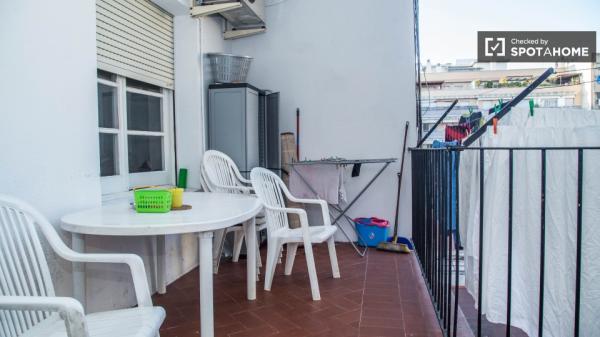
<point>338,212</point>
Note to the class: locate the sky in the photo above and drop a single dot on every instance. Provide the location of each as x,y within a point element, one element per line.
<point>448,28</point>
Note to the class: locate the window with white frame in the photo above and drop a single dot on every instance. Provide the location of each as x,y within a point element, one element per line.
<point>135,123</point>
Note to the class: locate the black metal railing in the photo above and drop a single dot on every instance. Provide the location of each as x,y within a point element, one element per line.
<point>435,228</point>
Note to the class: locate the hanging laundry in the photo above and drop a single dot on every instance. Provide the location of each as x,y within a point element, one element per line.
<point>356,170</point>
<point>456,132</point>
<point>318,181</point>
<point>472,121</point>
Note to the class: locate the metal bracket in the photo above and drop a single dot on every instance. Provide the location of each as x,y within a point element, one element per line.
<point>205,10</point>
<point>239,33</point>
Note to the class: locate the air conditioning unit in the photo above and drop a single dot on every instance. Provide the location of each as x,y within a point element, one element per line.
<point>244,17</point>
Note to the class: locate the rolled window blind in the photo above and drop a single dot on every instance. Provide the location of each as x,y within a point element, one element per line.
<point>134,38</point>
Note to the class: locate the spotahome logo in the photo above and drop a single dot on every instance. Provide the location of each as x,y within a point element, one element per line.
<point>536,46</point>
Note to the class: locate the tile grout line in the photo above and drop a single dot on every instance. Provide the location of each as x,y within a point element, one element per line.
<point>399,295</point>
<point>362,298</point>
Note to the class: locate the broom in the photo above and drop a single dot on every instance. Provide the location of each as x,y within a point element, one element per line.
<point>394,245</point>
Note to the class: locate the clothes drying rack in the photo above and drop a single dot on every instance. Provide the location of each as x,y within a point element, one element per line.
<point>339,212</point>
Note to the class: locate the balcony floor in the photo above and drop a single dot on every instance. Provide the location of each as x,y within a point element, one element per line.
<point>381,294</point>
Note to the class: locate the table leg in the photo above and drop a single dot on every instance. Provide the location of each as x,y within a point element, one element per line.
<point>78,245</point>
<point>205,262</point>
<point>161,277</point>
<point>250,232</point>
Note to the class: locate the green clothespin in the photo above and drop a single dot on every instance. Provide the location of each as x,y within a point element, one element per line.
<point>470,110</point>
<point>498,107</point>
<point>531,106</point>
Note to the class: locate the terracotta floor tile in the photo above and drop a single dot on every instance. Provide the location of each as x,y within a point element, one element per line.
<point>376,296</point>
<point>381,332</point>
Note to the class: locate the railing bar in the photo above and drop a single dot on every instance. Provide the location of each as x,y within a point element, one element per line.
<point>456,245</point>
<point>481,204</point>
<point>436,200</point>
<point>428,212</point>
<point>442,230</point>
<point>435,223</point>
<point>447,231</point>
<point>429,221</point>
<point>579,239</point>
<point>442,235</point>
<point>440,212</point>
<point>443,226</point>
<point>510,240</point>
<point>439,228</point>
<point>542,245</point>
<point>448,238</point>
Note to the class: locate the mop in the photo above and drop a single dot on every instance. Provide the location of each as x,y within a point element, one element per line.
<point>394,245</point>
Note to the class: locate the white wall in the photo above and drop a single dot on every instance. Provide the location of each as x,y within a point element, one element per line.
<point>48,119</point>
<point>349,66</point>
<point>212,42</point>
<point>49,130</point>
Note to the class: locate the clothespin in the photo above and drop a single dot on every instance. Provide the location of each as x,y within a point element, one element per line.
<point>470,110</point>
<point>495,123</point>
<point>498,107</point>
<point>531,106</point>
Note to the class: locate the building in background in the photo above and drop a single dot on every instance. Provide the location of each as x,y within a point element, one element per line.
<point>591,83</point>
<point>480,86</point>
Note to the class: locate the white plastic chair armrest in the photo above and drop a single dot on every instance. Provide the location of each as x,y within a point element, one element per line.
<point>300,212</point>
<point>69,309</point>
<point>135,263</point>
<point>136,266</point>
<point>243,189</point>
<point>243,180</point>
<point>323,203</point>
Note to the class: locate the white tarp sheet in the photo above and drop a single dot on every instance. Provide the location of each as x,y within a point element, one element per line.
<point>548,127</point>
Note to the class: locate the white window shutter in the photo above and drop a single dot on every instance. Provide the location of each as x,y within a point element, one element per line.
<point>134,38</point>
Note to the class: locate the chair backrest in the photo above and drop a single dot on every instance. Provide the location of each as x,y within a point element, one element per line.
<point>23,266</point>
<point>270,191</point>
<point>221,171</point>
<point>206,186</point>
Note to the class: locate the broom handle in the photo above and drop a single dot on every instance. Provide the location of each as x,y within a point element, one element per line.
<point>400,184</point>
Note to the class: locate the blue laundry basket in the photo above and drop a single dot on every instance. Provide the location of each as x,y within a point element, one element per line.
<point>371,230</point>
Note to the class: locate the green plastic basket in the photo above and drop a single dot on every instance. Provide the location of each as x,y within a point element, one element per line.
<point>152,201</point>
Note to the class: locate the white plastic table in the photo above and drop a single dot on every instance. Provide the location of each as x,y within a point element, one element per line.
<point>210,212</point>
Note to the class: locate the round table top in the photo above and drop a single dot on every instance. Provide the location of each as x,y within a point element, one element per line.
<point>210,211</point>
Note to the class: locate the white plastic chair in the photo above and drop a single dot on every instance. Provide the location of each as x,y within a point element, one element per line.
<point>220,174</point>
<point>220,235</point>
<point>28,304</point>
<point>269,187</point>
